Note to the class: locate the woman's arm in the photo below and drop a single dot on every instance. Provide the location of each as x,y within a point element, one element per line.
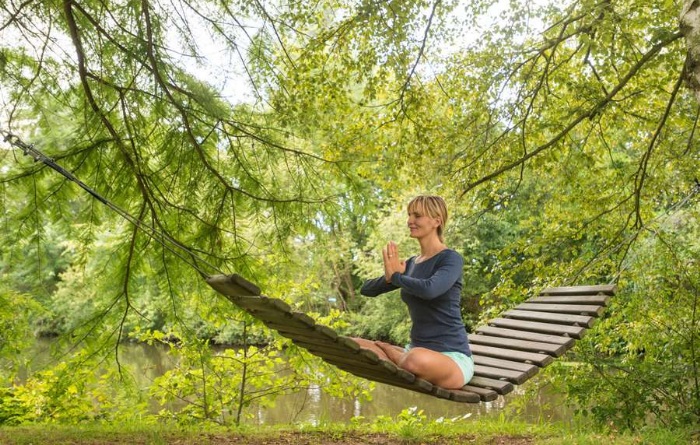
<point>448,271</point>
<point>376,286</point>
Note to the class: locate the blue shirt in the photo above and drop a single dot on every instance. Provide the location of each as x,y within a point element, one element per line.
<point>432,291</point>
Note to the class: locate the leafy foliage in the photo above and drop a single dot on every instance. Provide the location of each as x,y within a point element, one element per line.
<point>561,136</point>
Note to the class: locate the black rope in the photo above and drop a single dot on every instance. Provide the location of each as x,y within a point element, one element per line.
<point>159,236</point>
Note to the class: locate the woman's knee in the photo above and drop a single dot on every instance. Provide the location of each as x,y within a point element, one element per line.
<point>415,362</point>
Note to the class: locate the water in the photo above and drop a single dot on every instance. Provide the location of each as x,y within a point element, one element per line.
<point>313,406</point>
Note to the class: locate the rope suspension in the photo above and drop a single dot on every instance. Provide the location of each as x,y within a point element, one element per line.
<point>162,238</point>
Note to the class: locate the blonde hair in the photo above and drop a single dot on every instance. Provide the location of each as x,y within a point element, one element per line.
<point>433,206</point>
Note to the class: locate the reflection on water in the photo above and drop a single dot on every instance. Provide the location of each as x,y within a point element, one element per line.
<point>313,406</point>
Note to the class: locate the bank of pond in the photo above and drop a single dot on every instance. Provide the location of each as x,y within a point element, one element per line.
<point>533,414</point>
<point>311,405</point>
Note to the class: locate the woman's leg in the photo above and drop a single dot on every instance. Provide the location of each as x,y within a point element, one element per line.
<point>372,346</point>
<point>432,366</point>
<point>429,365</point>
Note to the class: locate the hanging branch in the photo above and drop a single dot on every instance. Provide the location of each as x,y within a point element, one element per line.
<point>588,114</point>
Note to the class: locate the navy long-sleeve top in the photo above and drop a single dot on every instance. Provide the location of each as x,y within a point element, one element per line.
<point>432,291</point>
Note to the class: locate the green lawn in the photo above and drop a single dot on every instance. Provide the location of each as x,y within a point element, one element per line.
<point>397,431</point>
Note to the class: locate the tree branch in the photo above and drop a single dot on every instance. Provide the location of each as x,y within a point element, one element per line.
<point>590,113</point>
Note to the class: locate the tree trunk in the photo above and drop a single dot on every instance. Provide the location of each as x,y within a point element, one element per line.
<point>690,28</point>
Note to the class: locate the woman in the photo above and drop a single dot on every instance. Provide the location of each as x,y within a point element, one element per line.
<point>430,286</point>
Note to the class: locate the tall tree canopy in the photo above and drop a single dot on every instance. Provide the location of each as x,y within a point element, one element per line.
<point>285,137</point>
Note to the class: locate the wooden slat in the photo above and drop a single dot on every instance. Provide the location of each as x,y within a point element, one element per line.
<point>486,395</point>
<point>525,335</point>
<point>515,377</point>
<point>260,302</point>
<point>337,350</point>
<point>293,329</point>
<point>233,285</point>
<point>419,385</point>
<point>577,320</point>
<point>526,368</point>
<point>500,386</point>
<point>440,392</point>
<point>601,300</point>
<point>576,332</point>
<point>521,345</point>
<point>268,314</point>
<point>540,360</point>
<point>463,396</point>
<point>312,339</point>
<point>577,309</point>
<point>363,356</point>
<point>294,325</point>
<point>580,290</point>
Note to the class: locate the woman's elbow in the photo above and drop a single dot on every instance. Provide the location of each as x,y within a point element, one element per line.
<point>367,292</point>
<point>431,293</point>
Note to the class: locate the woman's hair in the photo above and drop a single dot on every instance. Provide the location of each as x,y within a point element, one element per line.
<point>433,206</point>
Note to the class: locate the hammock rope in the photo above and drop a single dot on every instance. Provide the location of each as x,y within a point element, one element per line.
<point>168,242</point>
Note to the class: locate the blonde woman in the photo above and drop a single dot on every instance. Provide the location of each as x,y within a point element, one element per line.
<point>431,285</point>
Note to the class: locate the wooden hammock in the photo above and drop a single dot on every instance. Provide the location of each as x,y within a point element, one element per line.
<point>507,351</point>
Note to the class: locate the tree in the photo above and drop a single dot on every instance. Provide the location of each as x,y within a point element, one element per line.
<point>568,124</point>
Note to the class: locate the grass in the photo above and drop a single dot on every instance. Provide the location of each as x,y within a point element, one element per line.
<point>406,430</point>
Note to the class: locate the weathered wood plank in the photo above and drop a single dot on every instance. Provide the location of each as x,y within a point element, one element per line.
<point>267,313</point>
<point>526,368</point>
<point>545,317</point>
<point>486,395</point>
<point>520,345</point>
<point>576,332</point>
<point>500,386</point>
<point>515,377</point>
<point>419,385</point>
<point>440,392</point>
<point>290,325</point>
<point>601,300</point>
<point>317,330</point>
<point>462,396</point>
<point>362,356</point>
<point>525,335</point>
<point>233,285</point>
<point>263,303</point>
<point>580,290</point>
<point>540,360</point>
<point>576,309</point>
<point>311,338</point>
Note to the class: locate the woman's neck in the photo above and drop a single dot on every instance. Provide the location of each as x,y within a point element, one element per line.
<point>430,246</point>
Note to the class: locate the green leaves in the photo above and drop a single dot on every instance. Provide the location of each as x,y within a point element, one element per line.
<point>560,138</point>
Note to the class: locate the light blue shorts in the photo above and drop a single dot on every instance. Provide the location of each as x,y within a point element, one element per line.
<point>464,362</point>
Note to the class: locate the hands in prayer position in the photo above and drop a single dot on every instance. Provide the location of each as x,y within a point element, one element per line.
<point>392,262</point>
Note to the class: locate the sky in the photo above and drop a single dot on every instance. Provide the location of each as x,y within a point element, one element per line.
<point>221,67</point>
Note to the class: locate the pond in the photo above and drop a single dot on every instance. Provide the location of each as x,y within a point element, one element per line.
<point>313,406</point>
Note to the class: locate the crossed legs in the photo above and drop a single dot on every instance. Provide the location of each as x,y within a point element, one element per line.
<point>429,365</point>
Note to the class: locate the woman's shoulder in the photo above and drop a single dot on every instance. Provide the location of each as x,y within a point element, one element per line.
<point>449,254</point>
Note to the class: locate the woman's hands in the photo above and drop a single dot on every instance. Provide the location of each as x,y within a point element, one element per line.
<point>392,262</point>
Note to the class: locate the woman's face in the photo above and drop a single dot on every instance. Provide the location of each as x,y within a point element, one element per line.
<point>420,224</point>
